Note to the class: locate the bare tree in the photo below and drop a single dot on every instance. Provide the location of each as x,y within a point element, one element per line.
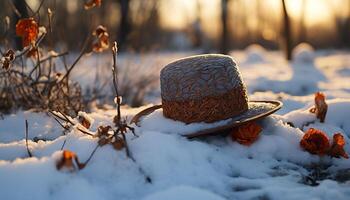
<point>287,36</point>
<point>302,26</point>
<point>260,20</point>
<point>342,24</point>
<point>20,11</point>
<point>124,27</point>
<point>224,24</point>
<point>197,30</point>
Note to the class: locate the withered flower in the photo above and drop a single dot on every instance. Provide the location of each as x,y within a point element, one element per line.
<point>119,143</point>
<point>67,161</point>
<point>28,29</point>
<point>84,119</point>
<point>92,3</point>
<point>315,142</point>
<point>101,41</point>
<point>246,134</point>
<point>7,59</point>
<point>321,106</point>
<point>337,149</point>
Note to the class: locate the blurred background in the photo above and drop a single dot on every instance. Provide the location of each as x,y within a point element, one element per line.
<point>259,34</point>
<point>205,25</point>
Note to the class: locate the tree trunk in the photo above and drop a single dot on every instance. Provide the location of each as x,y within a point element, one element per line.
<point>20,12</point>
<point>260,19</point>
<point>287,37</point>
<point>197,29</point>
<point>346,33</point>
<point>124,27</point>
<point>302,27</point>
<point>224,34</point>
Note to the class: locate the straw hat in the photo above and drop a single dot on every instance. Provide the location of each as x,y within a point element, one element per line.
<point>207,88</point>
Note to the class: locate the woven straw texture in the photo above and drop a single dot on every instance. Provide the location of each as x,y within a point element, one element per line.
<point>204,88</point>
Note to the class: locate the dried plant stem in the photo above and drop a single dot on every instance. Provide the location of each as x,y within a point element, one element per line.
<point>85,132</point>
<point>122,126</point>
<point>82,52</point>
<point>128,154</point>
<point>28,151</point>
<point>60,123</point>
<point>92,154</point>
<point>64,143</point>
<point>44,60</point>
<point>14,9</point>
<point>26,49</point>
<point>115,78</point>
<point>66,118</point>
<point>38,9</point>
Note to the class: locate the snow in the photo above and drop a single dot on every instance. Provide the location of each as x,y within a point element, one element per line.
<point>210,168</point>
<point>86,117</point>
<point>255,54</point>
<point>303,53</point>
<point>157,122</point>
<point>184,193</point>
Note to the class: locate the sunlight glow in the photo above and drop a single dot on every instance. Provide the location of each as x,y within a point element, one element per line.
<point>177,14</point>
<point>316,11</point>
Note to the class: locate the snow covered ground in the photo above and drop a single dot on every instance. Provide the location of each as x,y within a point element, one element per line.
<point>213,168</point>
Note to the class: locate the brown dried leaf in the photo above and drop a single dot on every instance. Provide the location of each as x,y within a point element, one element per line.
<point>83,121</point>
<point>337,149</point>
<point>118,144</point>
<point>92,3</point>
<point>116,120</point>
<point>103,130</point>
<point>103,141</point>
<point>99,30</point>
<point>101,41</point>
<point>315,142</point>
<point>28,29</point>
<point>246,134</point>
<point>7,59</point>
<point>103,135</point>
<point>321,106</point>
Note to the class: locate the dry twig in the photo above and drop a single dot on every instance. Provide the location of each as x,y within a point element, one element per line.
<point>29,153</point>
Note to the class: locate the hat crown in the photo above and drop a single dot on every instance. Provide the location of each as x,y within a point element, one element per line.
<point>199,76</point>
<point>202,88</point>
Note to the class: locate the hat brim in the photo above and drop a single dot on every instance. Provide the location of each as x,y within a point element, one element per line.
<point>256,110</point>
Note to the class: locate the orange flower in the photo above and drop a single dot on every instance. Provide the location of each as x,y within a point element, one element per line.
<point>321,106</point>
<point>337,149</point>
<point>67,161</point>
<point>246,134</point>
<point>315,141</point>
<point>28,29</point>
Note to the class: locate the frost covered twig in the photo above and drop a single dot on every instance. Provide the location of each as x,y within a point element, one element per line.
<point>121,125</point>
<point>66,119</point>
